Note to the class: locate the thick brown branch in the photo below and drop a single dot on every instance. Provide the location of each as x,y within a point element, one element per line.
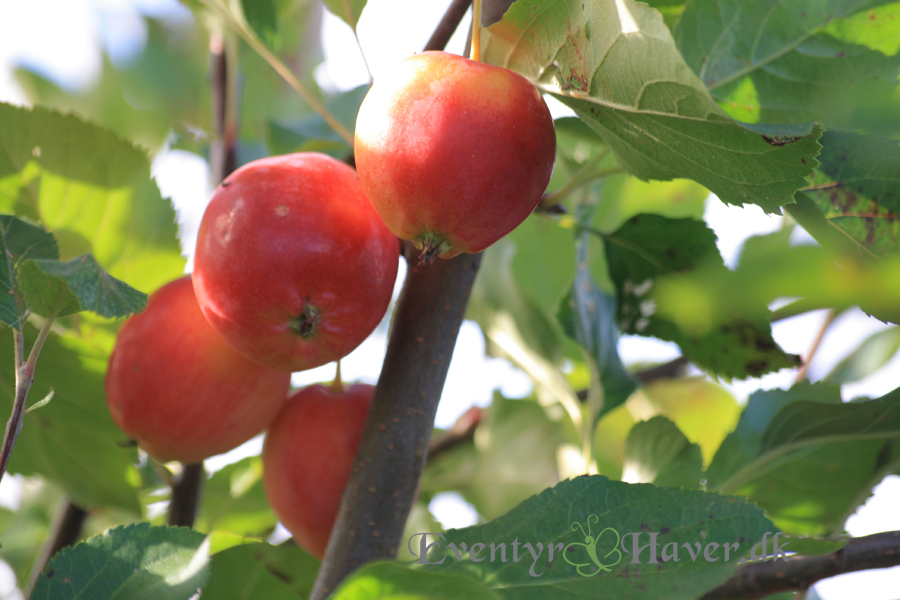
<point>448,25</point>
<point>395,440</point>
<point>759,580</point>
<point>186,495</point>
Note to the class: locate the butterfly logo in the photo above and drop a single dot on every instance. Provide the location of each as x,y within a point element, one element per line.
<point>590,545</point>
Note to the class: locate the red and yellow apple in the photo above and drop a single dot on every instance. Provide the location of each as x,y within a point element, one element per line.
<point>293,266</point>
<point>308,456</point>
<point>453,153</point>
<point>179,390</point>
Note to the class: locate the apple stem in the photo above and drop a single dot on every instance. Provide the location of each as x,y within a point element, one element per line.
<point>337,386</point>
<point>476,31</point>
<point>305,324</point>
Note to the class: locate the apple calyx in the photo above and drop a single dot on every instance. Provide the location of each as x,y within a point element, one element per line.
<point>432,246</point>
<point>305,323</point>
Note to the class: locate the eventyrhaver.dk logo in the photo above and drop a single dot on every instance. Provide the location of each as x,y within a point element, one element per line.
<point>596,553</point>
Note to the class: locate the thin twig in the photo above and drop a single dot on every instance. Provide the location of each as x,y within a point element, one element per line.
<point>24,379</point>
<point>759,580</point>
<point>249,36</point>
<point>448,25</point>
<point>829,319</point>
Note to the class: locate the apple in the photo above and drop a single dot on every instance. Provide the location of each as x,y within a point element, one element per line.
<point>293,266</point>
<point>179,390</point>
<point>453,153</point>
<point>308,456</point>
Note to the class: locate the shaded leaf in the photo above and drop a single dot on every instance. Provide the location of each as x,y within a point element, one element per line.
<point>655,114</point>
<point>137,561</point>
<point>348,10</point>
<point>262,18</point>
<point>261,571</point>
<point>312,134</point>
<point>648,247</point>
<point>588,315</point>
<point>72,441</point>
<point>92,190</point>
<point>857,188</point>
<point>657,452</point>
<point>20,240</point>
<point>562,516</point>
<point>80,284</point>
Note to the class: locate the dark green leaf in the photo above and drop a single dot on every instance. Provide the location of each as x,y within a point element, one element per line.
<point>657,452</point>
<point>262,18</point>
<point>134,562</point>
<point>872,354</point>
<point>391,581</point>
<point>348,10</point>
<point>857,188</point>
<point>92,190</point>
<point>80,284</point>
<point>588,315</point>
<point>605,510</point>
<point>260,571</point>
<point>648,247</point>
<point>20,240</point>
<point>655,114</point>
<point>72,441</point>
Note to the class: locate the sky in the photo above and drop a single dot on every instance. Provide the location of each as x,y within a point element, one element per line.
<point>67,48</point>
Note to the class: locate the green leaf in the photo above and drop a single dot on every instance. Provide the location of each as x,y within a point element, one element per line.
<point>80,284</point>
<point>513,456</point>
<point>234,501</point>
<point>262,18</point>
<point>655,114</point>
<point>857,188</point>
<point>657,452</point>
<point>724,40</point>
<point>312,134</point>
<point>807,458</point>
<point>261,571</point>
<point>775,61</point>
<point>608,511</point>
<point>348,10</point>
<point>872,354</point>
<point>134,562</point>
<point>649,247</point>
<point>588,315</point>
<point>92,190</point>
<point>20,240</point>
<point>391,581</point>
<point>72,441</point>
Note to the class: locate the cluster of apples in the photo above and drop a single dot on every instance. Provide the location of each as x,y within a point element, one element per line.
<point>295,264</point>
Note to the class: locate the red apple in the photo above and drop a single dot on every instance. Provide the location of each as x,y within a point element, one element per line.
<point>308,456</point>
<point>293,266</point>
<point>452,153</point>
<point>179,390</point>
